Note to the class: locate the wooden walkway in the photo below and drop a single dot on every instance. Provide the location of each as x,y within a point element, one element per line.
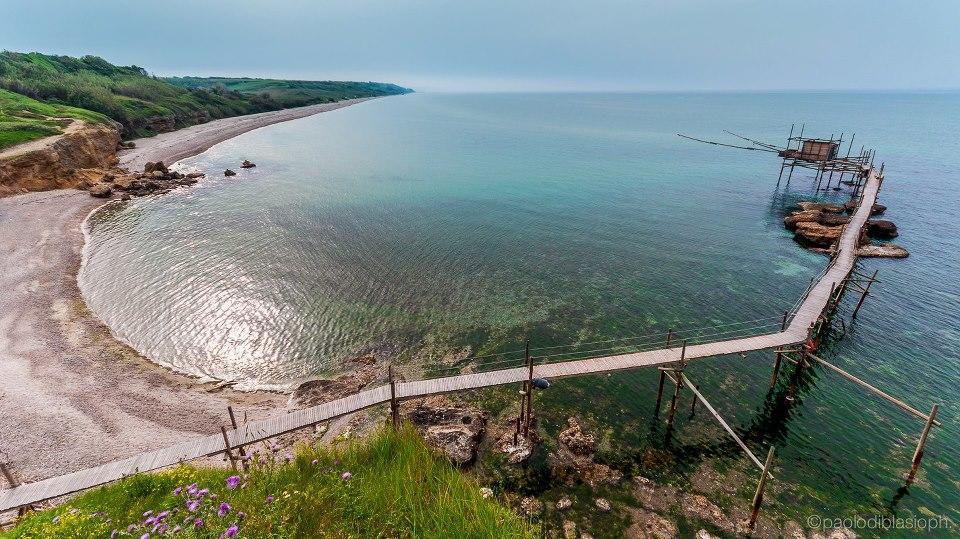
<point>804,317</point>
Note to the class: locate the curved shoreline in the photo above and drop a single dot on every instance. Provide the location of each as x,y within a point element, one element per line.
<point>73,395</point>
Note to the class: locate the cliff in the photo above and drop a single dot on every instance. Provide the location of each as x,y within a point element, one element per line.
<point>75,159</point>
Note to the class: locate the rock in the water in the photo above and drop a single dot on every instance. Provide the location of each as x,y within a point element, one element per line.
<point>882,229</point>
<point>820,206</point>
<point>576,441</point>
<point>697,506</point>
<point>804,216</point>
<point>452,429</point>
<point>125,196</point>
<point>193,175</point>
<point>817,235</point>
<point>704,534</point>
<point>886,250</point>
<point>101,190</point>
<point>851,206</point>
<point>564,503</point>
<point>602,504</point>
<point>649,525</point>
<point>247,164</point>
<point>314,392</point>
<point>229,172</point>
<point>155,167</point>
<point>833,219</point>
<point>569,529</point>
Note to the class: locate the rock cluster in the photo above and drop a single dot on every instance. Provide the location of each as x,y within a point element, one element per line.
<point>574,458</point>
<point>818,226</point>
<point>452,429</point>
<point>156,178</point>
<point>319,391</point>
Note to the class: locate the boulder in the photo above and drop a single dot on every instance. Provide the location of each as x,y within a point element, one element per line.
<point>886,250</point>
<point>851,206</point>
<point>151,167</point>
<point>531,506</point>
<point>569,529</point>
<point>125,196</point>
<point>452,429</point>
<point>519,451</point>
<point>486,492</point>
<point>576,441</point>
<point>315,392</point>
<point>602,504</point>
<point>564,503</point>
<point>833,219</point>
<point>193,175</point>
<point>247,164</point>
<point>820,206</point>
<point>229,172</point>
<point>882,229</point>
<point>804,216</point>
<point>699,507</point>
<point>649,525</point>
<point>817,235</point>
<point>101,190</point>
<point>574,458</point>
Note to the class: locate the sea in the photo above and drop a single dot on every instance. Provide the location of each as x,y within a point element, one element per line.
<point>446,232</point>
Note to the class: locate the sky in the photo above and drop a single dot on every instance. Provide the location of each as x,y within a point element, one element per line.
<point>493,45</point>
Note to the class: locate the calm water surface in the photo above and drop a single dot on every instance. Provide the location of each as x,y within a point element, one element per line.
<point>421,224</point>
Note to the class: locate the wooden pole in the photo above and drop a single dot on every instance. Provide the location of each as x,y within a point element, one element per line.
<point>394,406</point>
<point>776,367</point>
<point>918,454</point>
<point>863,296</point>
<point>758,496</point>
<point>693,404</point>
<point>669,337</point>
<point>226,448</point>
<point>679,385</point>
<point>233,422</point>
<point>656,409</point>
<point>526,426</point>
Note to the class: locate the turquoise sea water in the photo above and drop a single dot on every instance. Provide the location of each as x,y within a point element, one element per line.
<point>421,224</point>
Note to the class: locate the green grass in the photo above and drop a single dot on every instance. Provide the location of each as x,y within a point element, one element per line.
<point>23,119</point>
<point>135,99</point>
<point>398,488</point>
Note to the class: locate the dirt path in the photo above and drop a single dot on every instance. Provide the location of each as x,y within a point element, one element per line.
<point>45,142</point>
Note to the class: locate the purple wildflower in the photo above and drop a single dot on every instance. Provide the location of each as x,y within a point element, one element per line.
<point>269,499</point>
<point>232,530</point>
<point>131,527</point>
<point>288,457</point>
<point>176,529</point>
<point>224,509</point>
<point>147,513</point>
<point>192,506</point>
<point>145,536</point>
<point>198,523</point>
<point>177,491</point>
<point>274,447</point>
<point>346,476</point>
<point>113,534</point>
<point>192,489</point>
<point>202,492</point>
<point>151,520</point>
<point>314,462</point>
<point>162,515</point>
<point>241,515</point>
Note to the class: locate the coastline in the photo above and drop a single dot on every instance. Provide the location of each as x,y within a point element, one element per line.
<point>73,395</point>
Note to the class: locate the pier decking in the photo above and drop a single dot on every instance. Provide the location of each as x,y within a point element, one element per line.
<point>802,319</point>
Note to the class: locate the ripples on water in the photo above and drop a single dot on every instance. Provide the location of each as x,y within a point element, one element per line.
<point>424,223</point>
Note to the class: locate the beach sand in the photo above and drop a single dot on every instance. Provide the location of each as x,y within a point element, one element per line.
<point>71,396</point>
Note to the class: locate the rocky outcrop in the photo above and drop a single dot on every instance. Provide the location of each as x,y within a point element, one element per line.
<point>882,229</point>
<point>851,206</point>
<point>820,206</point>
<point>314,392</point>
<point>885,250</point>
<point>77,159</point>
<point>101,190</point>
<point>452,429</point>
<point>817,235</point>
<point>229,172</point>
<point>247,164</point>
<point>574,458</point>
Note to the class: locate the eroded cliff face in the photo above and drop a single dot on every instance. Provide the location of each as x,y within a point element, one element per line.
<point>77,159</point>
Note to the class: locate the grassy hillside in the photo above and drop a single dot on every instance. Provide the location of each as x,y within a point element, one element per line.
<point>390,485</point>
<point>23,119</point>
<point>291,93</point>
<point>143,104</point>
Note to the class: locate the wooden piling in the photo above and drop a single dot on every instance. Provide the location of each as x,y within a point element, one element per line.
<point>656,409</point>
<point>758,496</point>
<point>226,448</point>
<point>669,337</point>
<point>863,296</point>
<point>693,403</point>
<point>918,454</point>
<point>394,405</point>
<point>778,359</point>
<point>240,449</point>
<point>679,385</point>
<point>526,426</point>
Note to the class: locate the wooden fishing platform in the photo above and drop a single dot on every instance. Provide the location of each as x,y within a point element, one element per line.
<point>816,300</point>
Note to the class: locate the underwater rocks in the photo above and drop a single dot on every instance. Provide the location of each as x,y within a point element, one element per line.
<point>247,164</point>
<point>319,391</point>
<point>818,226</point>
<point>574,458</point>
<point>882,229</point>
<point>452,429</point>
<point>884,250</point>
<point>229,172</point>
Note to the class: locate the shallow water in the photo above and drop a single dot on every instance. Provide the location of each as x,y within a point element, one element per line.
<point>419,224</point>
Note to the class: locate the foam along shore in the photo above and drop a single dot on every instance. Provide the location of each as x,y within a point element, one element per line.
<point>73,396</point>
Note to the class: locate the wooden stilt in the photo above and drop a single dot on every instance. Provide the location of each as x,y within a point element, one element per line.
<point>394,405</point>
<point>693,404</point>
<point>863,296</point>
<point>240,449</point>
<point>226,448</point>
<point>669,337</point>
<point>918,454</point>
<point>758,496</point>
<point>526,426</point>
<point>776,367</point>
<point>656,409</point>
<point>679,385</point>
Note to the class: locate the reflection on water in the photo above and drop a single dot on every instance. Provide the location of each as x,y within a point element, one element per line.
<point>422,224</point>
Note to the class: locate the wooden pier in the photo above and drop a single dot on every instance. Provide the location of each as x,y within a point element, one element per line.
<point>800,322</point>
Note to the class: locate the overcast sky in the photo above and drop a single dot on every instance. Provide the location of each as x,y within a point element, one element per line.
<point>491,45</point>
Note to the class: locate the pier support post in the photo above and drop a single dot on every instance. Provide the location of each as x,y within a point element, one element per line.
<point>758,496</point>
<point>226,448</point>
<point>679,385</point>
<point>526,426</point>
<point>918,454</point>
<point>394,405</point>
<point>240,449</point>
<point>693,404</point>
<point>669,337</point>
<point>778,358</point>
<point>863,296</point>
<point>12,481</point>
<point>656,408</point>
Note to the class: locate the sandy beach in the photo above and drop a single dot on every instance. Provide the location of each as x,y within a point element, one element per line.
<point>71,395</point>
